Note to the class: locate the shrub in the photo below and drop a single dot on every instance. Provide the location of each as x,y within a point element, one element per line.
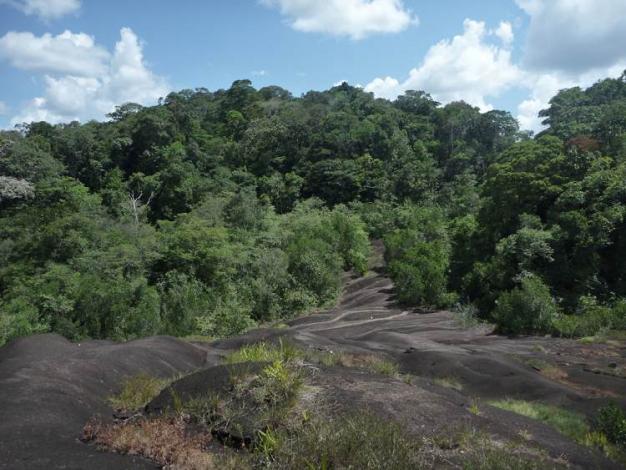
<point>183,299</point>
<point>418,257</point>
<point>529,308</point>
<point>592,318</point>
<point>19,318</point>
<point>611,420</point>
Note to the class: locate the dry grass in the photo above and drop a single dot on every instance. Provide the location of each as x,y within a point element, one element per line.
<point>449,382</point>
<point>549,371</point>
<point>370,362</point>
<point>164,440</point>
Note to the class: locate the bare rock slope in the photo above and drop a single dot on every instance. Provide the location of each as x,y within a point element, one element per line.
<point>50,387</point>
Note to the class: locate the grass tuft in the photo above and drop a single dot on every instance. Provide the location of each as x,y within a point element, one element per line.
<point>265,352</point>
<point>137,392</point>
<point>566,422</point>
<point>448,382</point>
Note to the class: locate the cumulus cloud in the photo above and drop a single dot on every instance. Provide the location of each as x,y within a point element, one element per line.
<point>543,86</point>
<point>574,36</point>
<point>468,67</point>
<point>505,32</point>
<point>70,53</point>
<point>477,65</point>
<point>45,9</point>
<point>356,19</point>
<point>90,83</point>
<point>569,43</point>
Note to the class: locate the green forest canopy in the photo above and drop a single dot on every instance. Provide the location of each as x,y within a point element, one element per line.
<point>215,211</point>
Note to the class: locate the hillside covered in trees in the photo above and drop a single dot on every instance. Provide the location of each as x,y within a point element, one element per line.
<point>213,212</point>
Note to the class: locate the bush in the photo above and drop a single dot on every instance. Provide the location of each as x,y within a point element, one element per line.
<point>419,272</point>
<point>529,308</point>
<point>418,256</point>
<point>19,318</point>
<point>591,318</point>
<point>611,420</point>
<point>183,300</point>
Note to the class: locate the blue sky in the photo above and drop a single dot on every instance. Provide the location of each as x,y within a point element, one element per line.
<point>75,59</point>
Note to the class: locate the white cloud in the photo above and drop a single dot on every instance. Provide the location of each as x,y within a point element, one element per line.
<point>70,53</point>
<point>477,65</point>
<point>91,84</point>
<point>570,43</point>
<point>505,32</point>
<point>574,36</point>
<point>386,87</point>
<point>259,73</point>
<point>353,18</point>
<point>4,108</point>
<point>543,86</point>
<point>45,9</point>
<point>468,68</point>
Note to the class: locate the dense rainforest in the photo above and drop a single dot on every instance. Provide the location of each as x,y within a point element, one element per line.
<point>213,212</point>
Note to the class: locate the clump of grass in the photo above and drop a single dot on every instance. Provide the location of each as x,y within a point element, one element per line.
<point>277,384</point>
<point>257,401</point>
<point>549,371</point>
<point>265,352</point>
<point>567,422</point>
<point>474,408</point>
<point>371,362</point>
<point>466,315</point>
<point>360,441</point>
<point>449,382</point>
<point>481,452</point>
<point>493,458</point>
<point>137,392</point>
<point>287,352</point>
<point>164,440</point>
<point>384,367</point>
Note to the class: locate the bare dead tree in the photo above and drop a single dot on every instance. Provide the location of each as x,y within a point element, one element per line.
<point>137,206</point>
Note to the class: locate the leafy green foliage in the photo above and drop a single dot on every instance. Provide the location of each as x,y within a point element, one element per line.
<point>611,420</point>
<point>418,257</point>
<point>213,212</point>
<point>527,308</point>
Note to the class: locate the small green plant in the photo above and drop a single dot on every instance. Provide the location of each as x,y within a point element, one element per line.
<point>474,408</point>
<point>278,383</point>
<point>268,443</point>
<point>137,392</point>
